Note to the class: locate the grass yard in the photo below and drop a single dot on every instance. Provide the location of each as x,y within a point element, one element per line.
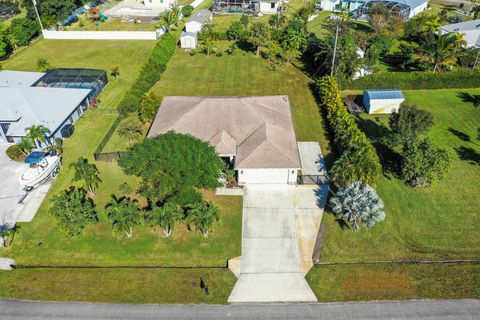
<point>397,282</point>
<point>244,74</point>
<point>119,285</point>
<point>113,24</point>
<point>99,247</point>
<point>438,222</point>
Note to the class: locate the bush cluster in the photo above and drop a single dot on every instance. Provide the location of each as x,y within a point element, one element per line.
<point>150,73</point>
<point>462,78</point>
<point>358,159</point>
<point>14,152</point>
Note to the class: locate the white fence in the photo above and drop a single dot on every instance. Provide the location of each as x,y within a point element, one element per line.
<point>196,3</point>
<point>103,35</point>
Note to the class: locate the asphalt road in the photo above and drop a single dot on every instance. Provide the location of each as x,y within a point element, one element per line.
<point>426,309</point>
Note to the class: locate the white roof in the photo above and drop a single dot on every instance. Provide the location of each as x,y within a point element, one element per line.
<point>18,78</point>
<point>25,106</point>
<point>471,29</point>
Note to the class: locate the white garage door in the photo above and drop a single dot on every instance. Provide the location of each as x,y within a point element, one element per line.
<point>268,176</point>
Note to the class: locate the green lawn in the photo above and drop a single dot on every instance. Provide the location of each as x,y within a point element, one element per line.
<point>99,246</point>
<point>438,222</point>
<point>397,282</point>
<point>113,24</point>
<point>244,74</point>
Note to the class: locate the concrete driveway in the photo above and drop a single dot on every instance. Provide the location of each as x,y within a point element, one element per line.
<point>271,263</point>
<point>11,192</point>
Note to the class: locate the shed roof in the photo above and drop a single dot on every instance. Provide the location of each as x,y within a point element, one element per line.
<point>201,16</point>
<point>259,131</point>
<point>384,94</point>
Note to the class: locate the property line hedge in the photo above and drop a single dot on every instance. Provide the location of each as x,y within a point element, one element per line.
<point>358,158</point>
<point>150,74</point>
<point>464,78</point>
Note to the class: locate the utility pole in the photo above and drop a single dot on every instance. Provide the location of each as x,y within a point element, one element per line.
<point>334,50</point>
<point>476,59</point>
<point>38,15</point>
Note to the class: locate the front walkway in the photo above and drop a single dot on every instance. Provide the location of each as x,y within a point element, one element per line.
<point>278,220</point>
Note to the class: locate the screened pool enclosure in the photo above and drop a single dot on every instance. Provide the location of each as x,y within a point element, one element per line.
<point>397,9</point>
<point>74,78</point>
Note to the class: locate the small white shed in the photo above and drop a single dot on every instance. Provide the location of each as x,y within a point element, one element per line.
<point>197,20</point>
<point>188,40</point>
<point>382,101</point>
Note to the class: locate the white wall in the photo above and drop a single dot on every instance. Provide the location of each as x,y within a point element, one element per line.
<point>417,10</point>
<point>102,35</point>
<point>196,3</point>
<point>188,42</point>
<point>157,3</point>
<point>193,26</point>
<point>328,5</point>
<point>384,106</point>
<point>267,176</point>
<point>266,7</point>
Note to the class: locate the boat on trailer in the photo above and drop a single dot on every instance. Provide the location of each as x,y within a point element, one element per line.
<point>43,165</point>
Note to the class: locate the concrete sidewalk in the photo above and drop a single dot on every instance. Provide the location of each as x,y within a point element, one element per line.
<point>271,264</point>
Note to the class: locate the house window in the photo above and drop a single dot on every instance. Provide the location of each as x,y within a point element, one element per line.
<point>79,112</point>
<point>4,127</point>
<point>272,5</point>
<point>10,139</point>
<point>70,119</point>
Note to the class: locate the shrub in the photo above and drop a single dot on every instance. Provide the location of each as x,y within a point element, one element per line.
<point>187,11</point>
<point>130,128</point>
<point>462,78</point>
<point>150,73</point>
<point>21,31</point>
<point>359,205</point>
<point>148,107</point>
<point>359,160</point>
<point>14,152</point>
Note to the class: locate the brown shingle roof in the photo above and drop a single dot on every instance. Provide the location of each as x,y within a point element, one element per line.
<point>258,130</point>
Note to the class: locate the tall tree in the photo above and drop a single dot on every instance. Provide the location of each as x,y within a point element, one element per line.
<point>202,215</point>
<point>359,205</point>
<point>408,124</point>
<point>443,52</point>
<point>295,36</point>
<point>37,133</point>
<point>259,35</point>
<point>165,217</point>
<point>88,174</point>
<point>73,211</point>
<point>423,162</point>
<point>173,166</point>
<point>124,215</point>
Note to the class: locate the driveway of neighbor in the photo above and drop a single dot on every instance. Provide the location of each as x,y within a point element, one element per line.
<point>271,263</point>
<point>11,192</point>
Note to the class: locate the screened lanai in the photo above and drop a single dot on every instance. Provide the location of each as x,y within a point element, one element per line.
<point>74,78</point>
<point>398,9</point>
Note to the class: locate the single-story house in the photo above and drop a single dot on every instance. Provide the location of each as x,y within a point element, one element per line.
<point>471,29</point>
<point>254,134</point>
<point>197,20</point>
<point>382,101</point>
<point>405,9</point>
<point>188,40</point>
<point>337,5</point>
<point>246,6</point>
<point>55,99</point>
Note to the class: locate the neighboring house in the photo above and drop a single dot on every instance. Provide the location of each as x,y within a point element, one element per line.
<point>382,101</point>
<point>197,20</point>
<point>404,8</point>
<point>151,3</point>
<point>471,29</point>
<point>254,134</point>
<point>246,6</point>
<point>188,40</point>
<point>54,99</point>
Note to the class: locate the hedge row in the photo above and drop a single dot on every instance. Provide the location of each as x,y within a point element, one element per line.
<point>358,158</point>
<point>463,78</point>
<point>150,74</point>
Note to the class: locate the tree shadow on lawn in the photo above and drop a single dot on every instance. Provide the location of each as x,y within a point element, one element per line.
<point>460,135</point>
<point>378,134</point>
<point>470,98</point>
<point>468,154</point>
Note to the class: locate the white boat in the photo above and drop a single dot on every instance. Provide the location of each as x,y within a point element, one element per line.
<point>42,166</point>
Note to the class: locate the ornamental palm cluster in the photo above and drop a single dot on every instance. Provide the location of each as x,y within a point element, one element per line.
<point>359,205</point>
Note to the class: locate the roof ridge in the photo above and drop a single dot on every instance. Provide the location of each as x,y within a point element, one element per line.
<point>256,147</point>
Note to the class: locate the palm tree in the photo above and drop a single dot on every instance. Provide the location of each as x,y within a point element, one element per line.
<point>259,35</point>
<point>115,71</point>
<point>359,205</point>
<point>444,51</point>
<point>124,215</point>
<point>7,233</point>
<point>169,19</point>
<point>25,146</point>
<point>165,217</point>
<point>201,215</point>
<point>37,133</point>
<point>431,24</point>
<point>88,174</point>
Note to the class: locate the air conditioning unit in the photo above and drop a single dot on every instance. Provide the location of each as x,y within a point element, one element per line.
<point>67,131</point>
